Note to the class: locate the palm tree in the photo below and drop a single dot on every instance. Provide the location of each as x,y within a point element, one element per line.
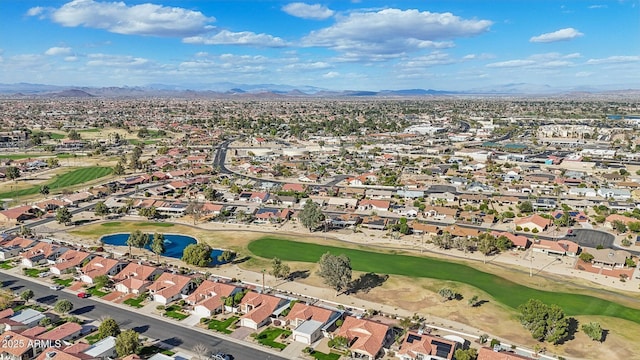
<point>157,245</point>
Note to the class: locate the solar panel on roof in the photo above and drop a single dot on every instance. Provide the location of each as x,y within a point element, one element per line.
<point>442,349</point>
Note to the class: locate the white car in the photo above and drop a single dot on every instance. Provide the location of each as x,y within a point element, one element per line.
<point>56,287</point>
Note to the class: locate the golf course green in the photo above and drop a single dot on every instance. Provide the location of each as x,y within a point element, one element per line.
<point>501,289</point>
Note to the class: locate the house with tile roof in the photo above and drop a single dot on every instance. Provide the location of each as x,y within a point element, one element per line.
<point>367,339</point>
<point>258,309</point>
<point>100,266</point>
<point>519,241</point>
<point>55,353</point>
<point>135,278</point>
<point>558,248</point>
<point>69,261</point>
<point>170,287</point>
<point>41,253</point>
<point>17,214</point>
<point>208,298</point>
<point>23,347</point>
<point>418,346</point>
<point>308,322</point>
<point>534,221</point>
<point>65,332</point>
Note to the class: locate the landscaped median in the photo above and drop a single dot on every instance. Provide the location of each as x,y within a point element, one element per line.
<point>501,289</point>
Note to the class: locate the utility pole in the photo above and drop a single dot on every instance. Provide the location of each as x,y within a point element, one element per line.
<point>264,289</point>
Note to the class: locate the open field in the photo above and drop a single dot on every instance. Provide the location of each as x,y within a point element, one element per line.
<point>61,181</point>
<point>503,290</point>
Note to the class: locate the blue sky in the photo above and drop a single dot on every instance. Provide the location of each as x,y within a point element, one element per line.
<point>337,45</point>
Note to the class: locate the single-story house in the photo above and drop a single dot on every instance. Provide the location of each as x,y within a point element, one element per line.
<point>258,309</point>
<point>367,339</point>
<point>135,278</point>
<point>208,298</point>
<point>100,266</point>
<point>418,346</point>
<point>169,287</point>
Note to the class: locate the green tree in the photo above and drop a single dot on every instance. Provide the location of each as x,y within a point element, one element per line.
<point>74,135</point>
<point>335,270</point>
<point>526,207</point>
<point>619,226</point>
<point>593,330</point>
<point>44,190</point>
<point>226,256</point>
<point>101,281</point>
<point>127,343</point>
<point>197,254</point>
<point>311,215</point>
<point>279,269</point>
<point>447,294</point>
<point>586,257</point>
<point>118,169</point>
<point>27,295</point>
<point>545,322</point>
<point>157,245</point>
<point>137,239</point>
<point>12,173</point>
<point>469,354</point>
<point>63,215</point>
<point>149,213</point>
<point>108,327</point>
<point>101,209</point>
<point>63,306</point>
<point>338,342</point>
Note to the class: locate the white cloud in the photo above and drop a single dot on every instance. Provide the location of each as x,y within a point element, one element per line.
<point>614,60</point>
<point>597,6</point>
<point>435,58</point>
<point>538,61</point>
<point>559,35</point>
<point>318,65</point>
<point>226,37</point>
<point>57,51</point>
<point>331,75</point>
<point>583,74</point>
<point>71,58</point>
<point>118,61</point>
<point>306,11</point>
<point>392,32</point>
<point>35,11</point>
<point>511,64</point>
<point>117,17</point>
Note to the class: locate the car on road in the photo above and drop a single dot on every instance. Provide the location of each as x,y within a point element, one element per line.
<point>571,233</point>
<point>83,295</point>
<point>221,356</point>
<point>56,287</point>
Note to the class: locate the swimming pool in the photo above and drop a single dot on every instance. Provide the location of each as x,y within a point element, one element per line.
<point>173,243</point>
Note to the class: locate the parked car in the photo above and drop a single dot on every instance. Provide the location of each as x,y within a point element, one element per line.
<point>44,274</point>
<point>221,356</point>
<point>83,295</point>
<point>56,287</point>
<point>571,233</point>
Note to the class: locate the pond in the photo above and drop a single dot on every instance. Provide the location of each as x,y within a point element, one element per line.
<point>173,243</point>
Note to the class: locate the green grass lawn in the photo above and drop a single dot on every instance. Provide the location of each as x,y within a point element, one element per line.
<point>322,356</point>
<point>269,335</point>
<point>6,265</point>
<point>22,156</point>
<point>95,292</point>
<point>63,282</point>
<point>93,338</point>
<point>68,156</point>
<point>74,177</point>
<point>501,289</point>
<point>147,351</point>
<point>222,326</point>
<point>174,311</point>
<point>92,130</point>
<point>32,272</point>
<point>137,301</point>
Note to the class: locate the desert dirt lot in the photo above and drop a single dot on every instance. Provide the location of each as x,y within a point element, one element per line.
<point>397,295</point>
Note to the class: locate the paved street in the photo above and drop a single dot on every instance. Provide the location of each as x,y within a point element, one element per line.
<point>175,335</point>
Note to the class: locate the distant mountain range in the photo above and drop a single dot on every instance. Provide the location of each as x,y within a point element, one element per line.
<point>232,90</point>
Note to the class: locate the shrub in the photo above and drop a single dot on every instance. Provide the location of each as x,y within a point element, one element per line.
<point>526,229</point>
<point>535,230</point>
<point>518,228</point>
<point>160,307</point>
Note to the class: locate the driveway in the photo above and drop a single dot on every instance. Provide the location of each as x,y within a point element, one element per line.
<point>241,333</point>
